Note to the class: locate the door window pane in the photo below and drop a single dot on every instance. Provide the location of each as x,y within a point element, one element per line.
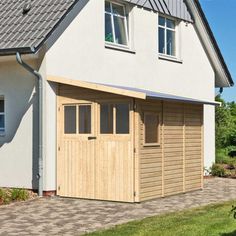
<point>85,119</point>
<point>122,118</point>
<point>108,29</point>
<point>151,123</point>
<point>70,119</point>
<point>120,31</point>
<point>106,119</point>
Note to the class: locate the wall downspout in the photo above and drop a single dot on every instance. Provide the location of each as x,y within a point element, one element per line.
<point>40,104</point>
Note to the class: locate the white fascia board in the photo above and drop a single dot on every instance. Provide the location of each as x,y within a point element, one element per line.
<point>221,78</point>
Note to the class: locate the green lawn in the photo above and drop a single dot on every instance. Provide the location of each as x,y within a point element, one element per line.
<point>208,221</point>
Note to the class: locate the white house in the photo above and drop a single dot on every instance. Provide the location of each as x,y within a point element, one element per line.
<point>107,99</point>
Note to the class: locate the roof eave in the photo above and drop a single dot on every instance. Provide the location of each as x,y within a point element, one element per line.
<point>205,33</point>
<point>13,51</point>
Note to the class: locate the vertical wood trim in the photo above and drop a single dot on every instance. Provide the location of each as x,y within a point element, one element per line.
<point>184,149</point>
<point>58,134</point>
<point>163,150</point>
<point>202,147</point>
<point>136,132</point>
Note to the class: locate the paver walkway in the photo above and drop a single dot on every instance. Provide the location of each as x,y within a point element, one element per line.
<point>60,216</point>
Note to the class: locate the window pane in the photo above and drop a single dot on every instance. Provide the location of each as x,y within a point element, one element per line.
<point>122,118</point>
<point>2,122</point>
<point>120,32</point>
<point>107,7</point>
<point>161,21</point>
<point>151,128</point>
<point>161,40</point>
<point>70,119</point>
<point>108,29</point>
<point>117,9</point>
<point>85,119</point>
<point>1,105</point>
<point>170,44</point>
<point>106,119</point>
<point>170,23</point>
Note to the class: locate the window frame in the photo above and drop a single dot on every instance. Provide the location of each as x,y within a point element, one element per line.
<point>175,30</point>
<point>126,20</point>
<point>158,143</point>
<point>77,105</point>
<point>3,130</point>
<point>113,103</point>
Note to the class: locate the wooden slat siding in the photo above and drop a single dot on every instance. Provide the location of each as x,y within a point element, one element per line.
<point>176,164</point>
<point>150,157</point>
<point>193,165</point>
<point>173,171</point>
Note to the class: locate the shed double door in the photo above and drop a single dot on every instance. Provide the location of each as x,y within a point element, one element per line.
<point>95,153</point>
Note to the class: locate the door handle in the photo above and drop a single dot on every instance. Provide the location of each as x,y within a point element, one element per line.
<point>92,138</point>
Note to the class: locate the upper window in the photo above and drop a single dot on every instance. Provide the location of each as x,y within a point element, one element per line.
<point>167,36</point>
<point>2,115</point>
<point>116,26</point>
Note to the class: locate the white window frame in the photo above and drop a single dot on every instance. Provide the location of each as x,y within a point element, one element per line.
<point>3,130</point>
<point>125,17</point>
<point>165,36</point>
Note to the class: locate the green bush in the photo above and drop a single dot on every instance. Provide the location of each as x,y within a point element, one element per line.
<point>19,195</point>
<point>4,196</point>
<point>218,170</point>
<point>223,158</point>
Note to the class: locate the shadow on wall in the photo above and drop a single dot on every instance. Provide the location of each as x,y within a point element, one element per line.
<point>21,106</point>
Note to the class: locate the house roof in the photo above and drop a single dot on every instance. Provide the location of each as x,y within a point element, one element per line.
<point>128,91</point>
<point>27,32</point>
<point>175,8</point>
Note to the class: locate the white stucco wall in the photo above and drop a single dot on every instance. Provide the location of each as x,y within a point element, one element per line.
<point>18,155</point>
<point>80,54</point>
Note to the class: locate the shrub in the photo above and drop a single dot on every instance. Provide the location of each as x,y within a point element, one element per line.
<point>218,170</point>
<point>19,195</point>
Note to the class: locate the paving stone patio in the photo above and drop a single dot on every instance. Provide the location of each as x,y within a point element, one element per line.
<point>62,216</point>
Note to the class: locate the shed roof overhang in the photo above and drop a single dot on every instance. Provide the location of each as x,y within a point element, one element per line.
<point>128,91</point>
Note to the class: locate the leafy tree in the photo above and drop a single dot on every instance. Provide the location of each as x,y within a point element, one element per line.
<point>225,124</point>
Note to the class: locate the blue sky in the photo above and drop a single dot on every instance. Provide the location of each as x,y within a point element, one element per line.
<point>221,15</point>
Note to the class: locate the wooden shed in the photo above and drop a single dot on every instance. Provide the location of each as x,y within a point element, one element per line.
<point>128,145</point>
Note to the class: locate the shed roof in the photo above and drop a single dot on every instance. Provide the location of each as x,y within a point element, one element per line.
<point>128,91</point>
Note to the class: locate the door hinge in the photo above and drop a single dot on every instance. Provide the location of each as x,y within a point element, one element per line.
<point>59,188</point>
<point>134,150</point>
<point>59,109</point>
<point>134,193</point>
<point>59,148</point>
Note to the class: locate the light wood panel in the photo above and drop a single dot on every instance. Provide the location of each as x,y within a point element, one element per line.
<point>101,168</point>
<point>175,166</point>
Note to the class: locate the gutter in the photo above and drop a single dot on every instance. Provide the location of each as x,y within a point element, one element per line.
<point>40,91</point>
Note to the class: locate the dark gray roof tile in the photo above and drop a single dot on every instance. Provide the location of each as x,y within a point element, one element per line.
<point>29,30</point>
